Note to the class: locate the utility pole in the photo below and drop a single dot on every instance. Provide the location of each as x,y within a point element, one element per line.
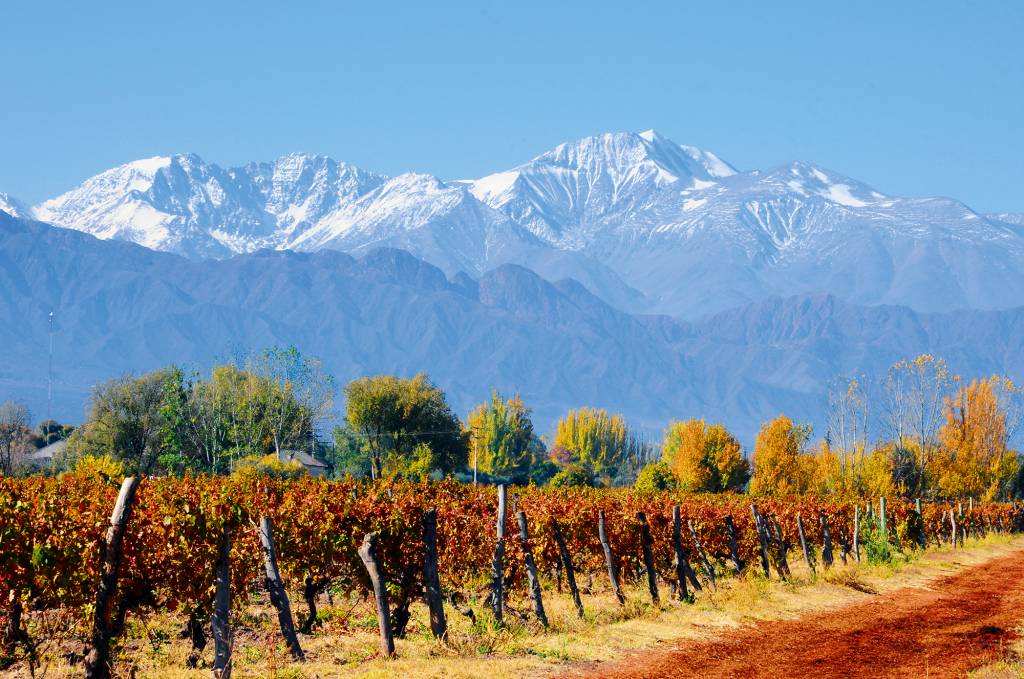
<point>49,378</point>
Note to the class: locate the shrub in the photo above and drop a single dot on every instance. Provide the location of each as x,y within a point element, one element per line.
<point>656,477</point>
<point>269,465</point>
<point>98,467</point>
<point>573,475</point>
<point>878,547</point>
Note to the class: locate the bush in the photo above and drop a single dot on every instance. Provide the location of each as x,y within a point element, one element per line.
<point>269,465</point>
<point>877,546</point>
<point>572,475</point>
<point>656,477</point>
<point>100,467</point>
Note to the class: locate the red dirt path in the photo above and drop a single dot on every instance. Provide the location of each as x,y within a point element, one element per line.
<point>959,623</point>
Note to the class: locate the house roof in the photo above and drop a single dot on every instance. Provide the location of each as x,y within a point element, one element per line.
<point>48,452</point>
<point>305,458</point>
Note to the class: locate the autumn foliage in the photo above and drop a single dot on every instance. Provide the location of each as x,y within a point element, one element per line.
<point>51,532</point>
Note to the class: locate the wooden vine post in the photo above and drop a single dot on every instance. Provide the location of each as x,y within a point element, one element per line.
<point>220,621</point>
<point>431,579</point>
<point>687,569</point>
<point>498,564</point>
<point>856,532</point>
<point>776,530</point>
<point>368,553</point>
<point>677,545</point>
<point>708,570</point>
<point>803,544</point>
<point>609,558</point>
<point>531,570</point>
<point>922,537</point>
<point>570,572</point>
<point>826,539</point>
<point>645,543</point>
<point>737,563</point>
<point>97,662</point>
<point>275,587</point>
<point>762,539</point>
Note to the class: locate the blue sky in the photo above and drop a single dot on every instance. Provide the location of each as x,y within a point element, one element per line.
<point>914,98</point>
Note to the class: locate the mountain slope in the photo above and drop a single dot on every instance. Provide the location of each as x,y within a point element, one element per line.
<point>122,307</point>
<point>13,207</point>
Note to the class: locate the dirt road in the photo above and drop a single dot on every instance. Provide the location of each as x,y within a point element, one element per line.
<point>959,623</point>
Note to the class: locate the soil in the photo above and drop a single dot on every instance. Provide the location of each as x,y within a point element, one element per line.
<point>956,624</point>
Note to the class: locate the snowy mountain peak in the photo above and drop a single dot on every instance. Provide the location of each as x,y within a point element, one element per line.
<point>626,153</point>
<point>561,194</point>
<point>13,207</point>
<point>641,220</point>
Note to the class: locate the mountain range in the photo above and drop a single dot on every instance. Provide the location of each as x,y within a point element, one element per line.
<point>122,307</point>
<point>648,225</point>
<point>622,270</point>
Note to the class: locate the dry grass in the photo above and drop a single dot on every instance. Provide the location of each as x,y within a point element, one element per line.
<point>345,645</point>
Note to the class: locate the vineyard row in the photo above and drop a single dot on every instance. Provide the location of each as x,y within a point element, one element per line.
<point>194,545</point>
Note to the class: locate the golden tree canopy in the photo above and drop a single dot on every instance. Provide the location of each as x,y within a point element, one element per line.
<point>780,465</point>
<point>704,458</point>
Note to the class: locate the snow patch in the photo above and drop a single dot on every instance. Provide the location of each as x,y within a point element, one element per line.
<point>840,193</point>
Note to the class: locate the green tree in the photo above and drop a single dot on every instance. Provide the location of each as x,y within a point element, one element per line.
<point>574,474</point>
<point>401,421</point>
<point>297,394</point>
<point>127,420</point>
<point>656,477</point>
<point>502,442</point>
<point>348,457</point>
<point>600,442</point>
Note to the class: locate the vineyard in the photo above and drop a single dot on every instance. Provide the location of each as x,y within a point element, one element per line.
<point>55,544</point>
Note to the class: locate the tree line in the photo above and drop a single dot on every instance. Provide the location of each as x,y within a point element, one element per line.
<point>940,435</point>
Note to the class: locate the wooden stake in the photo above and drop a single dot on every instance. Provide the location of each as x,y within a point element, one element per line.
<point>97,662</point>
<point>431,579</point>
<point>677,544</point>
<point>368,553</point>
<point>220,621</point>
<point>803,544</point>
<point>609,559</point>
<point>708,570</point>
<point>278,595</point>
<point>570,573</point>
<point>645,544</point>
<point>498,564</point>
<point>761,538</point>
<point>856,532</point>
<point>922,538</point>
<point>737,563</point>
<point>531,571</point>
<point>826,550</point>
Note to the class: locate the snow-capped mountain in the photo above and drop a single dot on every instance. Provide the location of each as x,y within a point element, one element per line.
<point>13,207</point>
<point>184,205</point>
<point>120,307</point>
<point>648,224</point>
<point>563,194</point>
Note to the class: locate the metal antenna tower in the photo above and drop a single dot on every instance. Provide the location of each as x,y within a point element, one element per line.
<point>49,375</point>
